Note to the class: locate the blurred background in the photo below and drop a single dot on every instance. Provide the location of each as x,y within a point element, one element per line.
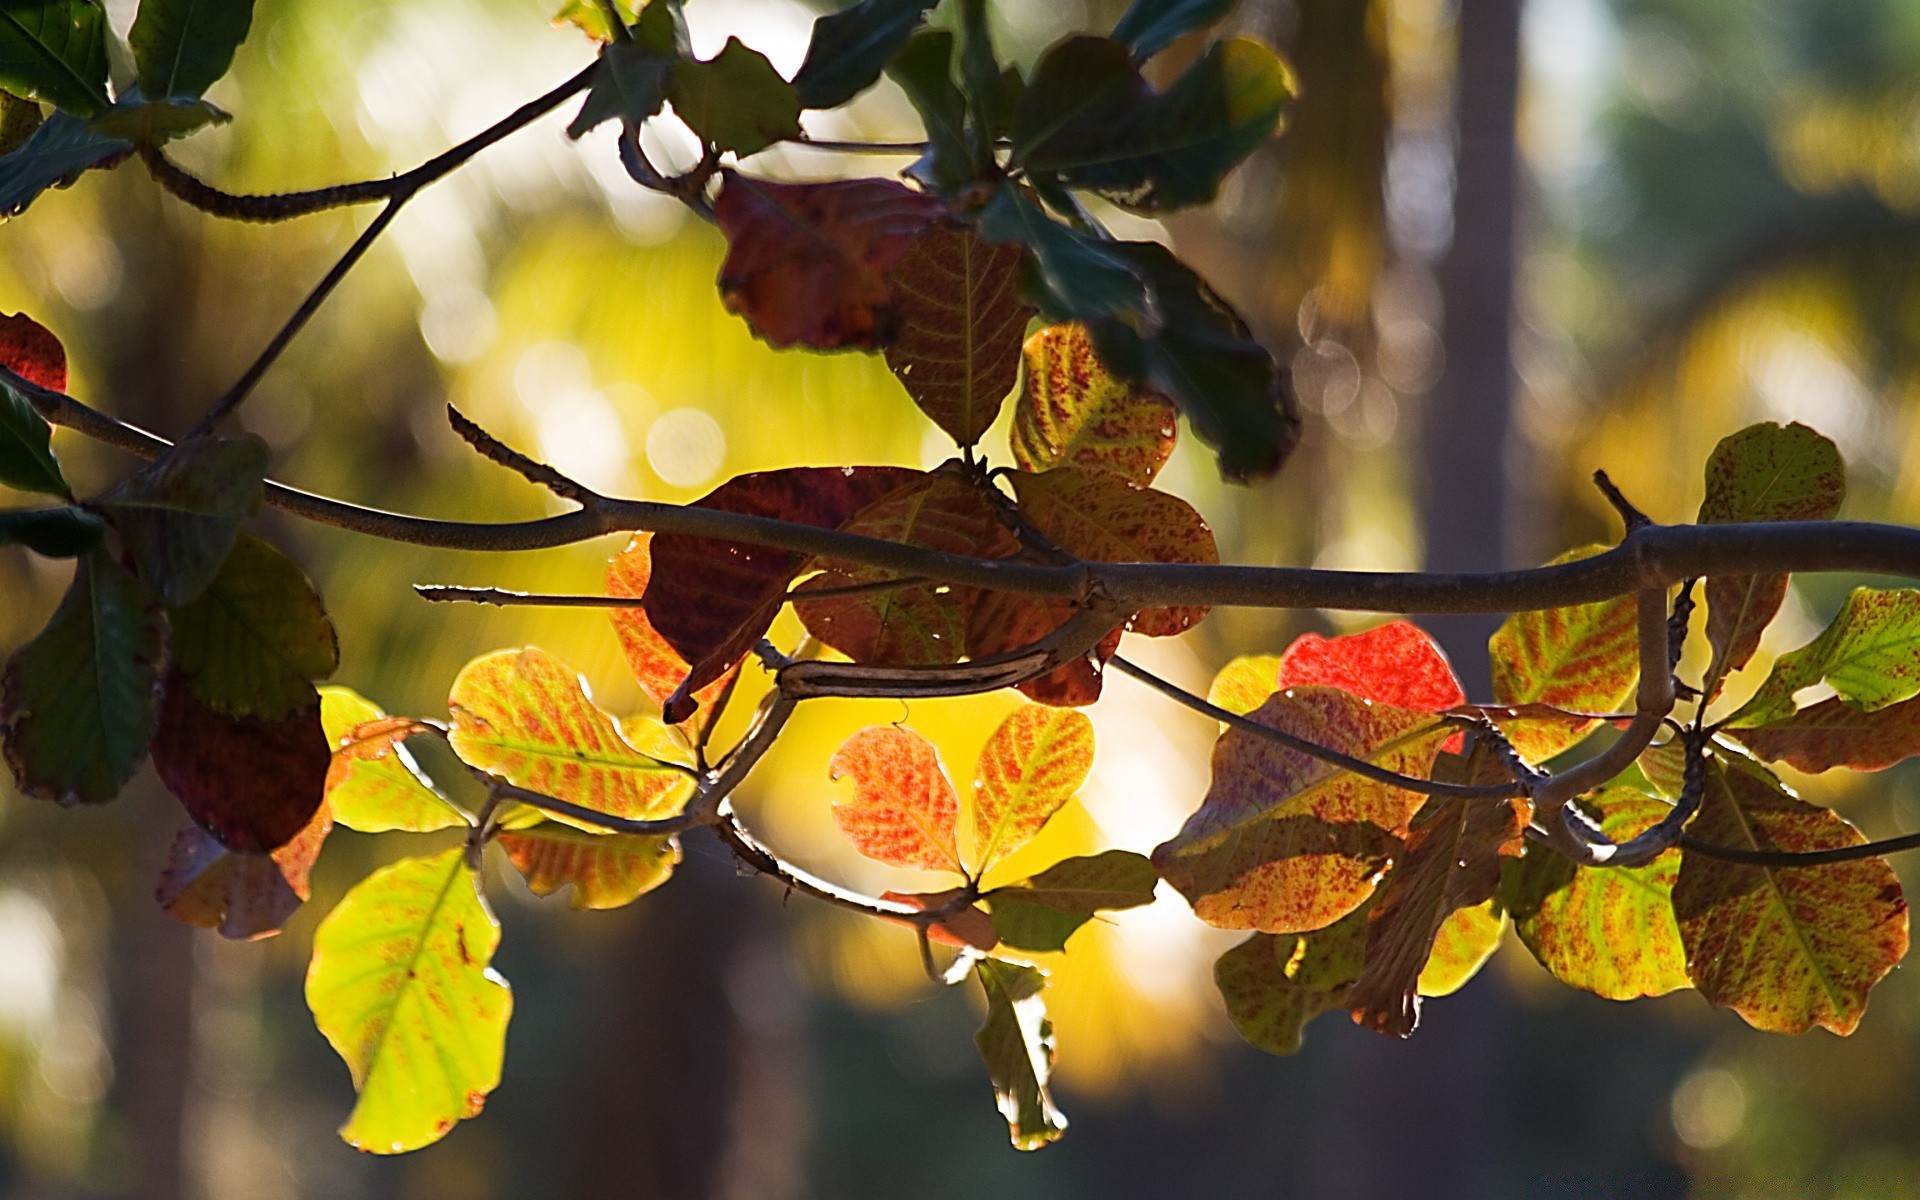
<point>1501,244</point>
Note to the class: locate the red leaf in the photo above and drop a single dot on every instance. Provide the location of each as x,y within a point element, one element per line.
<point>903,809</point>
<point>1833,733</point>
<point>656,665</point>
<point>30,350</point>
<point>1397,663</point>
<point>712,600</point>
<point>253,784</point>
<point>807,263</point>
<point>958,352</point>
<point>240,895</point>
<point>970,927</point>
<point>1003,622</point>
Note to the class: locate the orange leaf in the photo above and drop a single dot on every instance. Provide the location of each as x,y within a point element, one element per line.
<point>970,927</point>
<point>958,351</point>
<point>1003,622</point>
<point>1073,412</point>
<point>1031,766</point>
<point>903,809</point>
<point>607,870</point>
<point>1583,658</point>
<point>656,665</point>
<point>30,350</point>
<point>808,263</point>
<point>1396,663</point>
<point>240,895</point>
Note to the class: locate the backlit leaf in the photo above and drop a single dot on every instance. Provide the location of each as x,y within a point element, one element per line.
<point>590,17</point>
<point>55,51</point>
<point>850,48</point>
<point>156,122</point>
<point>180,516</point>
<point>1032,765</point>
<point>961,323</point>
<point>1467,939</point>
<point>1274,984</point>
<point>912,624</point>
<point>252,782</point>
<point>400,985</point>
<point>1397,663</point>
<point>254,641</point>
<point>1002,622</point>
<point>1834,733</point>
<point>373,784</point>
<point>240,896</point>
<point>1017,1044</point>
<point>736,101</point>
<point>967,928</point>
<point>1583,658</point>
<point>78,700</point>
<point>1072,411</point>
<point>903,808</point>
<point>1765,472</point>
<point>183,46</point>
<point>1040,914</point>
<point>1245,683</point>
<point>30,350</point>
<point>1103,518</point>
<point>656,665</point>
<point>26,454</point>
<point>1285,843</point>
<point>525,716</point>
<point>1148,26</point>
<point>808,263</point>
<point>1869,655</point>
<point>1786,948</point>
<point>1608,930</point>
<point>712,600</point>
<point>607,870</point>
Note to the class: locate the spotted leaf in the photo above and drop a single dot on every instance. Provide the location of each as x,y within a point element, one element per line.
<point>1273,984</point>
<point>1584,658</point>
<point>606,870</point>
<point>1033,764</point>
<point>961,321</point>
<point>1073,412</point>
<point>903,810</point>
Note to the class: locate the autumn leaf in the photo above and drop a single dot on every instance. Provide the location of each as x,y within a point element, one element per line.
<point>241,896</point>
<point>961,322</point>
<point>1397,663</point>
<point>808,264</point>
<point>1786,948</point>
<point>969,927</point>
<point>656,665</point>
<point>1016,1043</point>
<point>1041,913</point>
<point>1034,763</point>
<point>26,440</point>
<point>373,784</point>
<point>1467,939</point>
<point>1285,843</point>
<point>1003,622</point>
<point>1073,412</point>
<point>1583,658</point>
<point>252,782</point>
<point>526,717</point>
<point>1834,733</point>
<point>1607,930</point>
<point>913,624</point>
<point>712,600</point>
<point>1273,984</point>
<point>1245,683</point>
<point>1765,472</point>
<point>1869,655</point>
<point>1103,518</point>
<point>903,810</point>
<point>606,870</point>
<point>400,985</point>
<point>31,351</point>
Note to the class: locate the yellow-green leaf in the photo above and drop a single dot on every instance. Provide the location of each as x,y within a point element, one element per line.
<point>607,870</point>
<point>1584,658</point>
<point>373,784</point>
<point>1245,683</point>
<point>401,987</point>
<point>1870,655</point>
<point>1467,940</point>
<point>1031,766</point>
<point>1273,984</point>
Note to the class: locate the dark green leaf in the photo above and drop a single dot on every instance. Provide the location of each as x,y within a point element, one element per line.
<point>18,119</point>
<point>78,700</point>
<point>253,643</point>
<point>1040,914</point>
<point>735,101</point>
<point>153,122</point>
<point>1274,984</point>
<point>58,153</point>
<point>1149,25</point>
<point>55,51</point>
<point>1017,1044</point>
<point>851,47</point>
<point>54,532</point>
<point>662,28</point>
<point>1084,90</point>
<point>180,515</point>
<point>183,46</point>
<point>630,84</point>
<point>924,71</point>
<point>26,442</point>
<point>979,79</point>
<point>1076,277</point>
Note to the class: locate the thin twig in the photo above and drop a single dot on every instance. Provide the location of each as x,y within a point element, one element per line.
<point>532,469</point>
<point>1798,858</point>
<point>843,590</point>
<point>840,147</point>
<point>445,593</point>
<point>1632,517</point>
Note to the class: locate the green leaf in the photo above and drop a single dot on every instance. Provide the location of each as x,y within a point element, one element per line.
<point>1040,914</point>
<point>1765,472</point>
<point>662,28</point>
<point>850,48</point>
<point>1467,939</point>
<point>1017,1044</point>
<point>526,717</point>
<point>26,443</point>
<point>1274,984</point>
<point>179,517</point>
<point>924,71</point>
<point>59,152</point>
<point>55,51</point>
<point>156,122</point>
<point>65,532</point>
<point>1787,948</point>
<point>630,83</point>
<point>1606,930</point>
<point>373,784</point>
<point>1245,683</point>
<point>606,870</point>
<point>1030,767</point>
<point>980,80</point>
<point>1083,88</point>
<point>1075,276</point>
<point>255,640</point>
<point>1584,658</point>
<point>183,46</point>
<point>1870,655</point>
<point>736,101</point>
<point>590,17</point>
<point>1148,26</point>
<point>400,985</point>
<point>78,701</point>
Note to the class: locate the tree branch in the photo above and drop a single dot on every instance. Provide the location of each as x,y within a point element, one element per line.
<point>1798,858</point>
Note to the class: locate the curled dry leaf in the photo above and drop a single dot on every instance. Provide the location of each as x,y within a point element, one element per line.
<point>968,928</point>
<point>656,664</point>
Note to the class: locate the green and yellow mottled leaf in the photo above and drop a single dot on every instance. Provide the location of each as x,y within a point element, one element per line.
<point>1274,984</point>
<point>1245,683</point>
<point>373,784</point>
<point>1869,655</point>
<point>1786,948</point>
<point>1017,1044</point>
<point>1032,765</point>
<point>1467,939</point>
<point>1584,658</point>
<point>607,870</point>
<point>400,985</point>
<point>1042,913</point>
<point>1073,412</point>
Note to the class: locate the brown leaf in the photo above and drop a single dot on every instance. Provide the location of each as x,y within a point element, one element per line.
<point>240,895</point>
<point>1834,733</point>
<point>252,783</point>
<point>962,318</point>
<point>808,263</point>
<point>656,665</point>
<point>1003,622</point>
<point>712,600</point>
<point>29,350</point>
